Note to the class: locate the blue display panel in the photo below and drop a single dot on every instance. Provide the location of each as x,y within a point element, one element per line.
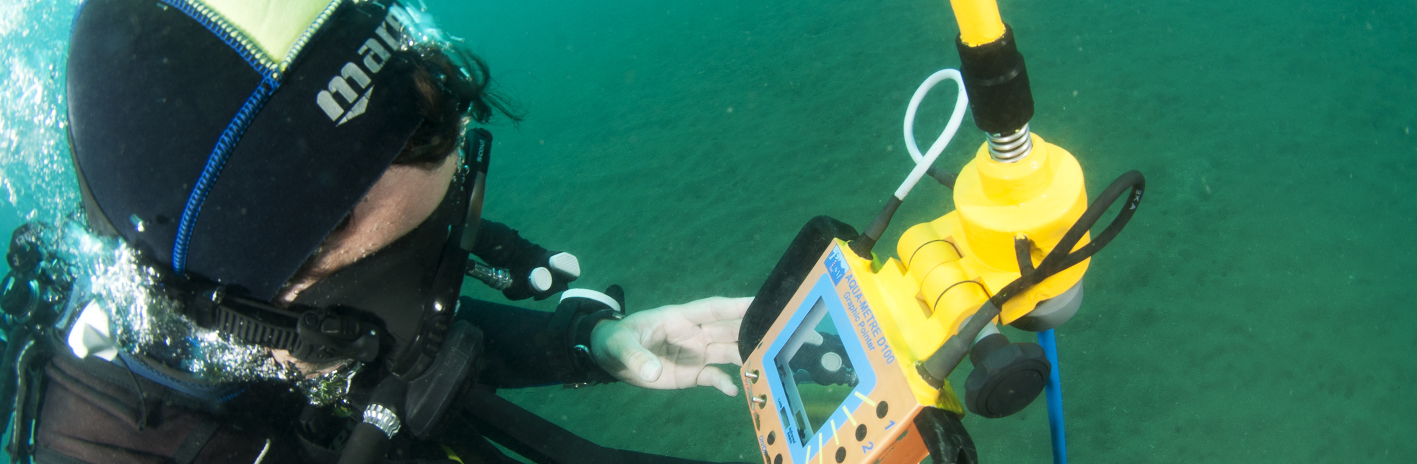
<point>812,409</point>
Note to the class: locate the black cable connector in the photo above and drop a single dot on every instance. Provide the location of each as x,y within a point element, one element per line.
<point>862,245</point>
<point>997,84</point>
<point>944,177</point>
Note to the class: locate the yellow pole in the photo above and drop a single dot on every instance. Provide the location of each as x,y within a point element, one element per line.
<point>979,21</point>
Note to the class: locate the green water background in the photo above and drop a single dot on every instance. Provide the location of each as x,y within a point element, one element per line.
<point>1257,308</point>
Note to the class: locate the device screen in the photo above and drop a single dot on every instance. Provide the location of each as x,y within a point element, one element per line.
<point>815,369</point>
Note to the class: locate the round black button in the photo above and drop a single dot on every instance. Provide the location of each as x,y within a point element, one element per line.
<point>772,437</point>
<point>881,409</point>
<point>860,432</point>
<point>777,460</point>
<point>1006,378</point>
<point>841,454</point>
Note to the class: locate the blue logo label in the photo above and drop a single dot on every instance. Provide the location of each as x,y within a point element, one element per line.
<point>836,266</point>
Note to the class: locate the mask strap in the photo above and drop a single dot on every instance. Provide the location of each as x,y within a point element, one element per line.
<point>477,156</point>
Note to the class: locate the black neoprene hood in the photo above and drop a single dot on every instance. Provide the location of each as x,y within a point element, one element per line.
<point>217,155</point>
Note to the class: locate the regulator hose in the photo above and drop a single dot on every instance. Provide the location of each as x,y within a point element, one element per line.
<point>369,441</point>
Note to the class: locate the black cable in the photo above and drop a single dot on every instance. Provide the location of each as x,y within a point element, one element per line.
<point>1022,246</point>
<point>1062,256</point>
<point>368,443</point>
<point>142,404</point>
<point>939,364</point>
<point>862,245</point>
<point>944,177</point>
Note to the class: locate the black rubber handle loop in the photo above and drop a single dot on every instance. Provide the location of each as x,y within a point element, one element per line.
<point>1063,256</point>
<point>939,364</point>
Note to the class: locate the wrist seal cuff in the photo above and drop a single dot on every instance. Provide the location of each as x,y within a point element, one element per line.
<point>569,335</point>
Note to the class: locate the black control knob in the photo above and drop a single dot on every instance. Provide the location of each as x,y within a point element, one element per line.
<point>1006,378</point>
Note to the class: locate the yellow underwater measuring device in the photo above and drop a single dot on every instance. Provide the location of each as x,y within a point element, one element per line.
<point>846,356</point>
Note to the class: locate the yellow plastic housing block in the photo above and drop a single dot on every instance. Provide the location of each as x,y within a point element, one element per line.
<point>898,313</point>
<point>956,257</point>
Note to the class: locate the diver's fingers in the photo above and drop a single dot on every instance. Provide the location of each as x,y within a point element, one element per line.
<point>710,310</point>
<point>624,346</point>
<point>713,377</point>
<point>723,353</point>
<point>644,363</point>
<point>723,331</point>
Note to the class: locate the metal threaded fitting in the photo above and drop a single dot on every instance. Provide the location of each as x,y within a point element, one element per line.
<point>497,278</point>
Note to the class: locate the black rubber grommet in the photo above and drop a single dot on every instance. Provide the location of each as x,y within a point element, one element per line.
<point>841,454</point>
<point>777,459</point>
<point>772,437</point>
<point>860,432</point>
<point>881,409</point>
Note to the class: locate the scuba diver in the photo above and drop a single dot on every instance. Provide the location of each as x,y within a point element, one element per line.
<point>280,206</point>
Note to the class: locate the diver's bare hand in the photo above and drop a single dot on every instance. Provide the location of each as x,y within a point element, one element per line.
<point>673,346</point>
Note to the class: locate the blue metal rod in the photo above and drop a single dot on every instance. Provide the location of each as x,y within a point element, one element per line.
<point>1054,392</point>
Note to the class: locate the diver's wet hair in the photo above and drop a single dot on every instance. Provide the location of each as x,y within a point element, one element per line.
<point>453,91</point>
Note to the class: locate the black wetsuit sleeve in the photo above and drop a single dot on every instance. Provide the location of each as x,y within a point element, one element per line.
<point>501,246</point>
<point>514,351</point>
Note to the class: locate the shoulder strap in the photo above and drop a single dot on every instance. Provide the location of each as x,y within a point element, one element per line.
<point>44,455</point>
<point>196,439</point>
